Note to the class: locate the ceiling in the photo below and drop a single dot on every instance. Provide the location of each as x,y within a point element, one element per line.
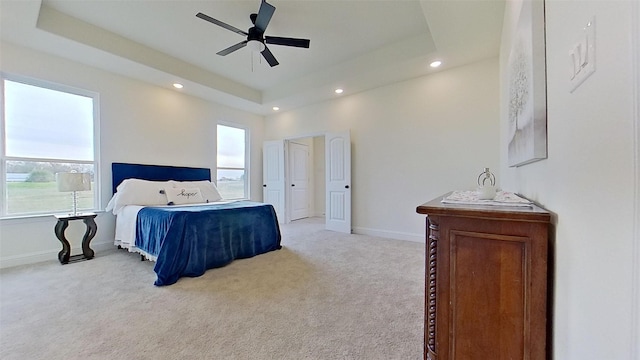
<point>355,44</point>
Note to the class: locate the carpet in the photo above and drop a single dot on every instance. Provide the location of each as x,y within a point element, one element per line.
<point>324,295</point>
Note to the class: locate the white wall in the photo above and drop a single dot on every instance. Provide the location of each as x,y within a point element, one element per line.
<point>635,34</point>
<point>319,175</point>
<point>139,123</point>
<point>411,141</point>
<point>588,178</point>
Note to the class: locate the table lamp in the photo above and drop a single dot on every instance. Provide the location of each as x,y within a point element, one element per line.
<point>73,181</point>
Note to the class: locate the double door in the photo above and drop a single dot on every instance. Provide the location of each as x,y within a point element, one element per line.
<point>287,195</point>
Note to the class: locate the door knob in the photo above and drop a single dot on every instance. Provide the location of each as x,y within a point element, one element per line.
<point>264,185</point>
<point>293,184</point>
<point>346,186</point>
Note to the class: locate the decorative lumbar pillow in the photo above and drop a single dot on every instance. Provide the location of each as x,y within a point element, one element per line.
<point>207,189</point>
<point>179,196</point>
<point>137,192</point>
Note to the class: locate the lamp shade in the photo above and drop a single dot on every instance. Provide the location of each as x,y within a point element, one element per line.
<point>73,181</point>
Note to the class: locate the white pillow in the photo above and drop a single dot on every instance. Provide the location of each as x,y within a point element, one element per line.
<point>138,192</point>
<point>207,189</point>
<point>179,196</point>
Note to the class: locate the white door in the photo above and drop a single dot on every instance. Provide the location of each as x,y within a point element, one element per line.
<point>273,176</point>
<point>299,175</point>
<point>338,181</point>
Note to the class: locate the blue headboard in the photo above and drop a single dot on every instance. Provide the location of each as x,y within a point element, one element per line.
<point>122,171</point>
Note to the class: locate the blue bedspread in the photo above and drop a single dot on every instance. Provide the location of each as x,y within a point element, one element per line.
<point>188,240</point>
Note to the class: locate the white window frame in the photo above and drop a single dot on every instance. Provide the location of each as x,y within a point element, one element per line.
<point>247,151</point>
<point>4,158</point>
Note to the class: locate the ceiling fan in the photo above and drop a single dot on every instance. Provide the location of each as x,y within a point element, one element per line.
<point>255,35</point>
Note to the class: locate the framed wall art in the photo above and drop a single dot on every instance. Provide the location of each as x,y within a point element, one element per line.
<point>527,98</point>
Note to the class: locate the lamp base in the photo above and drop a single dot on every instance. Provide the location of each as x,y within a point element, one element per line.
<point>75,203</point>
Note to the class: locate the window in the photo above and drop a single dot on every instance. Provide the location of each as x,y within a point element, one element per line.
<point>232,173</point>
<point>46,129</point>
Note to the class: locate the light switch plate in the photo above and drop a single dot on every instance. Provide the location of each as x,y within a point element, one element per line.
<point>582,57</point>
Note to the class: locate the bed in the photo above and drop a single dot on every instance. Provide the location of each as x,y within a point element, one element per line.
<point>190,236</point>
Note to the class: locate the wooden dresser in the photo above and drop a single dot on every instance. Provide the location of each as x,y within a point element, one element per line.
<point>486,281</point>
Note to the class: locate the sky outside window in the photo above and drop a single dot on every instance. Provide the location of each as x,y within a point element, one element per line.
<point>231,147</point>
<point>47,124</point>
<point>231,176</point>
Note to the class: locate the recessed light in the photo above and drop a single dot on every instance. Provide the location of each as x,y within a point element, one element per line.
<point>339,91</point>
<point>435,64</point>
<point>178,86</point>
<point>275,108</point>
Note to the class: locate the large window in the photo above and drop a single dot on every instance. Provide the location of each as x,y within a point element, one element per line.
<point>46,129</point>
<point>232,173</point>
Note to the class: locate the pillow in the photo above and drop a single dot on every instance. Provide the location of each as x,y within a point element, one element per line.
<point>207,189</point>
<point>179,196</point>
<point>138,192</point>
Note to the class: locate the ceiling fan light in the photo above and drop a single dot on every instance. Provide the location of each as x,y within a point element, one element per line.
<point>255,45</point>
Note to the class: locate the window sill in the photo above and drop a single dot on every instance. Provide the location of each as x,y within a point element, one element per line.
<point>40,217</point>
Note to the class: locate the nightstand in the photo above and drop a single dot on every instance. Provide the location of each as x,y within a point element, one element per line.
<point>64,255</point>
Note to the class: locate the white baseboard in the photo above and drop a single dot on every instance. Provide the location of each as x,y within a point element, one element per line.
<point>42,256</point>
<point>397,235</point>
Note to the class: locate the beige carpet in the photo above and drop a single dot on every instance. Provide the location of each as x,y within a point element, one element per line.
<point>324,295</point>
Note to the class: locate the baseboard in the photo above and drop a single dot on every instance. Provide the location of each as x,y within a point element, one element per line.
<point>397,235</point>
<point>42,256</point>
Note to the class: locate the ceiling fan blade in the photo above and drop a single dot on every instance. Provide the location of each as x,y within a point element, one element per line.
<point>232,48</point>
<point>264,16</point>
<point>220,23</point>
<point>269,57</point>
<point>275,40</point>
